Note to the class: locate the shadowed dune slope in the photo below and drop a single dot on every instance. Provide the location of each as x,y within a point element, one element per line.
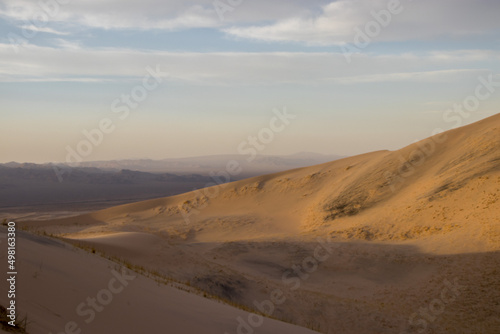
<point>57,283</point>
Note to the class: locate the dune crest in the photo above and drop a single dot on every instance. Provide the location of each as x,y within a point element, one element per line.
<point>419,191</point>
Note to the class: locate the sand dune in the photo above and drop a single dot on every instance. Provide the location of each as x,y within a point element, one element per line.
<point>56,280</point>
<point>437,185</point>
<point>396,228</point>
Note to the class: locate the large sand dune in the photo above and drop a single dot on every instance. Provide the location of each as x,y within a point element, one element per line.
<point>366,244</point>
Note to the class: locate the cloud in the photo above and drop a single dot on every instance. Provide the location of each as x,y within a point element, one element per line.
<point>415,20</point>
<point>313,22</point>
<point>421,76</point>
<point>228,68</point>
<point>44,29</point>
<point>332,26</point>
<point>112,14</point>
<point>150,14</point>
<point>65,44</point>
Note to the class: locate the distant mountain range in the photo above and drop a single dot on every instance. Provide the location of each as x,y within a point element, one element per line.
<point>123,181</point>
<point>205,164</point>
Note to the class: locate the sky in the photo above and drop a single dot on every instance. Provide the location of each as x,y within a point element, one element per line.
<point>124,79</point>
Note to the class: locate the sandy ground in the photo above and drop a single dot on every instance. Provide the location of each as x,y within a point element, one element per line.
<point>55,281</point>
<point>387,242</point>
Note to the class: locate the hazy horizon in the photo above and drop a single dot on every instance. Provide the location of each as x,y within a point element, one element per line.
<point>300,154</point>
<point>278,154</point>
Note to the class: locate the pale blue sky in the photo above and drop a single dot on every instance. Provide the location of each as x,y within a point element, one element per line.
<point>62,64</point>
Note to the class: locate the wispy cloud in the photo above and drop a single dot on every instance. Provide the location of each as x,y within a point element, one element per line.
<point>423,19</point>
<point>67,44</point>
<point>421,76</point>
<point>44,30</point>
<point>71,61</point>
<point>126,14</point>
<point>308,23</point>
<point>156,14</point>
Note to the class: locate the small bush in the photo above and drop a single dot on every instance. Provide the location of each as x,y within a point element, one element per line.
<point>20,326</point>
